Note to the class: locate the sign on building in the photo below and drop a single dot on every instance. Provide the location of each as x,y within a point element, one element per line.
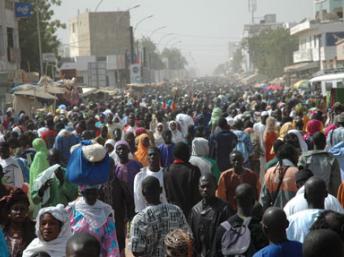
<point>23,10</point>
<point>135,74</point>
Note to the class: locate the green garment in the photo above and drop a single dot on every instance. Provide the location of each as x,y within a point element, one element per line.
<point>40,161</point>
<point>214,168</point>
<point>215,117</point>
<point>271,163</point>
<point>39,164</point>
<point>59,193</point>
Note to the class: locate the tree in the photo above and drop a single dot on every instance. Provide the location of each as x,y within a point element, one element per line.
<point>236,63</point>
<point>176,60</point>
<point>271,51</point>
<point>221,69</point>
<point>28,36</point>
<point>153,58</point>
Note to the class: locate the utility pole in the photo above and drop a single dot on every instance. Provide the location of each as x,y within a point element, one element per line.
<point>39,39</point>
<point>252,8</point>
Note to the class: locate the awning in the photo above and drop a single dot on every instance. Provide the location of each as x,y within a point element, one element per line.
<point>301,67</point>
<point>328,77</point>
<point>38,92</point>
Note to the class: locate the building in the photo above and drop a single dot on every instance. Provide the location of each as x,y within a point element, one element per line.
<point>100,34</point>
<point>340,54</point>
<point>9,46</point>
<point>9,39</point>
<point>328,9</point>
<point>317,43</point>
<point>100,43</point>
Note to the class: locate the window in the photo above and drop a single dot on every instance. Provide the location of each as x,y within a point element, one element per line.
<point>73,27</point>
<point>10,45</point>
<point>9,4</point>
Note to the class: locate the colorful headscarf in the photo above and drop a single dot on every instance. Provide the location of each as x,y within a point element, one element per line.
<point>313,126</point>
<point>141,153</point>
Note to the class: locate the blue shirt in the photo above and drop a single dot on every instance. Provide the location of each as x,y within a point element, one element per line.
<point>286,249</point>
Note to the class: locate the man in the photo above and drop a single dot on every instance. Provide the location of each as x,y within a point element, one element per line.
<point>337,135</point>
<point>82,244</point>
<point>232,178</point>
<point>49,135</point>
<point>323,164</point>
<point>299,203</point>
<point>13,174</point>
<point>330,220</point>
<point>300,222</point>
<point>4,189</point>
<point>245,200</point>
<point>166,149</point>
<point>279,182</point>
<point>259,129</point>
<point>125,168</point>
<point>244,144</point>
<point>323,243</point>
<point>150,226</point>
<point>181,180</point>
<point>207,215</point>
<point>274,224</point>
<point>63,143</point>
<point>221,144</point>
<point>153,169</point>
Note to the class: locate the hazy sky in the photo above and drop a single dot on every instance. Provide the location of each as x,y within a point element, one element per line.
<point>202,27</point>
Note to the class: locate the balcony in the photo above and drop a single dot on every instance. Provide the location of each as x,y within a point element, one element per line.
<point>303,55</point>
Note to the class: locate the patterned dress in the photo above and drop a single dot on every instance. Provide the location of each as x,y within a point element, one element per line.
<point>106,234</point>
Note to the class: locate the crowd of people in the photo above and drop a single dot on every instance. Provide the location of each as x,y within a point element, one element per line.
<point>204,169</point>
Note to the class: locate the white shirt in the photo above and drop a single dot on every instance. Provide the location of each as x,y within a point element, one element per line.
<point>300,223</point>
<point>140,202</point>
<point>299,203</point>
<point>13,175</point>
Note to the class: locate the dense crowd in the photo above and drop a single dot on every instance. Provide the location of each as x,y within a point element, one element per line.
<point>202,169</point>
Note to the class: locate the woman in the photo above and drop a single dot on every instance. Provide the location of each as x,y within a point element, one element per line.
<point>178,243</point>
<point>53,231</point>
<point>269,138</point>
<point>199,157</point>
<point>90,215</point>
<point>158,134</point>
<point>301,142</point>
<point>19,229</point>
<point>177,136</point>
<point>141,153</point>
<point>39,164</point>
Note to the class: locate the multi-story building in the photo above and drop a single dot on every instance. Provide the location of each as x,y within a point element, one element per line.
<point>9,45</point>
<point>328,9</point>
<point>100,34</point>
<point>105,38</point>
<point>9,39</point>
<point>317,42</point>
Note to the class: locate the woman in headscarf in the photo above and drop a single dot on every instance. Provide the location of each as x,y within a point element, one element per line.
<point>177,136</point>
<point>39,164</point>
<point>269,138</point>
<point>19,229</point>
<point>199,157</point>
<point>302,144</point>
<point>284,129</point>
<point>141,153</point>
<point>313,126</point>
<point>90,215</point>
<point>158,134</point>
<point>53,231</point>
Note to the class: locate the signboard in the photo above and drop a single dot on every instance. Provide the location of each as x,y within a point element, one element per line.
<point>49,57</point>
<point>135,74</point>
<point>23,10</point>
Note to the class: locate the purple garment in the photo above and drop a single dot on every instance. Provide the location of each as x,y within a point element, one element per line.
<point>127,172</point>
<point>166,155</point>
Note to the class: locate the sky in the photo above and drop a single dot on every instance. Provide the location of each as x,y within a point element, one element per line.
<point>201,28</point>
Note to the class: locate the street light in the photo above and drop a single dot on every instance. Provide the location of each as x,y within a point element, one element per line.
<point>156,30</point>
<point>165,36</point>
<point>100,2</point>
<point>142,20</point>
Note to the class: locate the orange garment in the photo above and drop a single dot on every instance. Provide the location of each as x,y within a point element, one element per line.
<point>229,181</point>
<point>141,153</point>
<point>340,194</point>
<point>269,140</point>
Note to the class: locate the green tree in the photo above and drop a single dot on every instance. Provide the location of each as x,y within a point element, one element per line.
<point>152,55</point>
<point>176,60</point>
<point>271,51</point>
<point>28,36</point>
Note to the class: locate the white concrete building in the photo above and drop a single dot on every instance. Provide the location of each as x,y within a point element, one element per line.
<point>9,39</point>
<point>317,42</point>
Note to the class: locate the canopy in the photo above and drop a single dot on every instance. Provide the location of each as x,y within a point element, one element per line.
<point>301,84</point>
<point>273,88</point>
<point>328,77</point>
<point>36,92</point>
